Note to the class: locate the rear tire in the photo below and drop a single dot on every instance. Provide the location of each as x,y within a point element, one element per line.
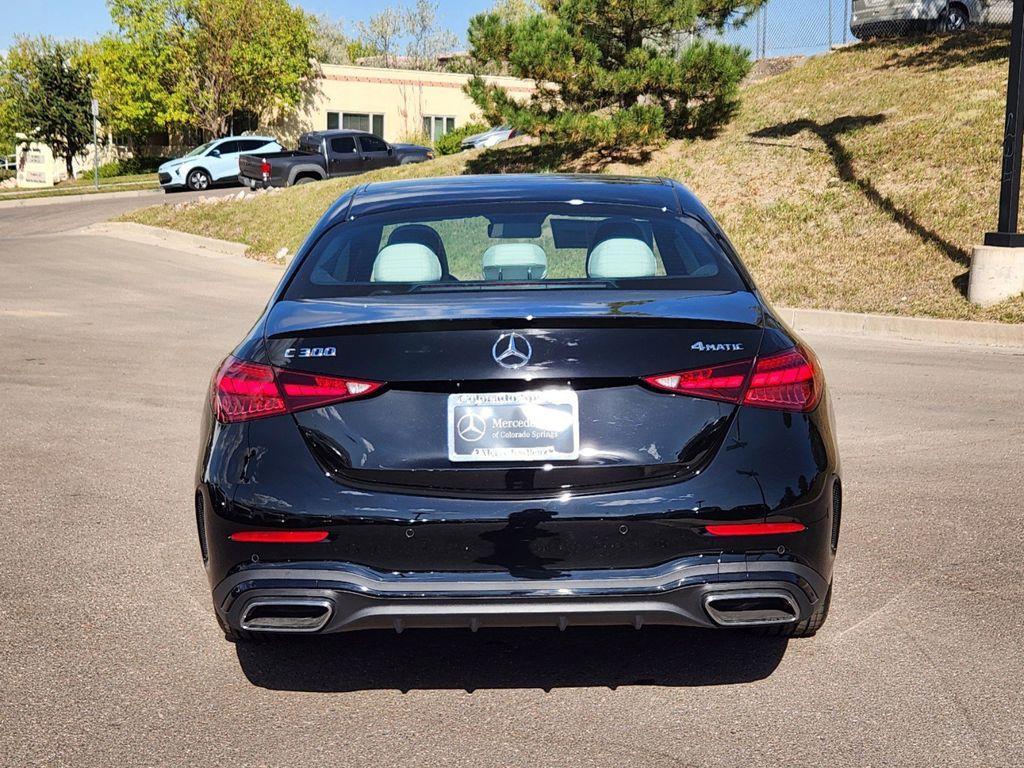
<point>806,628</point>
<point>304,180</point>
<point>955,19</point>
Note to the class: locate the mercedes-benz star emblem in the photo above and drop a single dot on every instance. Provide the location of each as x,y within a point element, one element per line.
<point>471,427</point>
<point>511,350</point>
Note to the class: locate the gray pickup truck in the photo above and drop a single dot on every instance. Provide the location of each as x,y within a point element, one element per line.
<point>326,154</point>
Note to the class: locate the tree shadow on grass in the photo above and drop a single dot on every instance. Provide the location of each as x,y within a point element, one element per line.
<point>510,658</point>
<point>551,157</point>
<point>830,134</point>
<point>937,53</point>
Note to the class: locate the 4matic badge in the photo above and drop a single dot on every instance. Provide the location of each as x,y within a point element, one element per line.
<point>700,346</point>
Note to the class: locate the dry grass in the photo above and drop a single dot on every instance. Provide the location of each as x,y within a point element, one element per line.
<point>858,181</point>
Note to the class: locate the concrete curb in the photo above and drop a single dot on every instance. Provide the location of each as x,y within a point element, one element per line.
<point>166,238</point>
<point>926,329</point>
<point>55,199</point>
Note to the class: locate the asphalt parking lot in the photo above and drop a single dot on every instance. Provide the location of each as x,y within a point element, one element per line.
<point>110,656</point>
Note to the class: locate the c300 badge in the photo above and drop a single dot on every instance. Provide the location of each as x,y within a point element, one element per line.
<point>310,352</point>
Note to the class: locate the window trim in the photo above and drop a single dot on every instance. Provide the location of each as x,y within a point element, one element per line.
<point>355,145</point>
<point>362,138</point>
<point>340,115</point>
<point>726,253</point>
<point>444,123</point>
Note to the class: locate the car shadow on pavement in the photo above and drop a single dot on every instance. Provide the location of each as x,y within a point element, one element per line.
<point>510,658</point>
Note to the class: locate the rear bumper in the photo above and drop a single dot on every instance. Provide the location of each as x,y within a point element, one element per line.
<point>251,183</point>
<point>344,597</point>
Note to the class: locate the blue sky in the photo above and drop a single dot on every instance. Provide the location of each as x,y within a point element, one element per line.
<point>89,18</point>
<point>793,26</point>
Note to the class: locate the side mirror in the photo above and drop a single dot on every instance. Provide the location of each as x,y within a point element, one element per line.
<point>214,153</point>
<point>391,150</point>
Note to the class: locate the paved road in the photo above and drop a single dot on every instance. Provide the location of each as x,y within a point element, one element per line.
<point>46,216</point>
<point>109,654</point>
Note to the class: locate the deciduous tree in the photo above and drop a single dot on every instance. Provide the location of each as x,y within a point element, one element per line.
<point>427,39</point>
<point>46,88</point>
<point>381,33</point>
<point>199,62</point>
<point>407,36</point>
<point>137,67</point>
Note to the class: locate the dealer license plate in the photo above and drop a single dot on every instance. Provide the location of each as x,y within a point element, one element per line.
<point>539,425</point>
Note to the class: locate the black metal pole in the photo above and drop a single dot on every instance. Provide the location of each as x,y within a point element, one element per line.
<point>1009,190</point>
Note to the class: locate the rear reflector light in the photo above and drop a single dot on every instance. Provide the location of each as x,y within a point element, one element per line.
<point>279,537</point>
<point>265,168</point>
<point>788,381</point>
<point>243,390</point>
<point>754,529</point>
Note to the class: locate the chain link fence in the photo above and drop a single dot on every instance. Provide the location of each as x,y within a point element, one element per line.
<point>806,27</point>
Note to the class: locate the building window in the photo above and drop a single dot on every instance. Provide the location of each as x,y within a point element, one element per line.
<point>357,121</point>
<point>436,126</point>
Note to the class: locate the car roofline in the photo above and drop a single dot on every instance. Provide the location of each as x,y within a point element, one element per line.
<point>380,197</point>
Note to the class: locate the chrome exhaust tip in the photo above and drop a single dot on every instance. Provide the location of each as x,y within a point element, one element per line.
<point>286,614</point>
<point>751,608</point>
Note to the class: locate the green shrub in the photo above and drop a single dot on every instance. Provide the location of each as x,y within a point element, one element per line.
<point>130,166</point>
<point>110,170</point>
<point>141,164</point>
<point>451,142</point>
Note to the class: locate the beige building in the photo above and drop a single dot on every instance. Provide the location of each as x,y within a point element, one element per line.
<point>396,104</point>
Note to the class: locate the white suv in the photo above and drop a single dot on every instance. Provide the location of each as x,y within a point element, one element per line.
<point>213,162</point>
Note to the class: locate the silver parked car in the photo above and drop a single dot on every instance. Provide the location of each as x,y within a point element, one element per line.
<point>874,18</point>
<point>489,137</point>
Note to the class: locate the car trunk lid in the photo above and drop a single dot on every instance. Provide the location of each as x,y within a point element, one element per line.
<point>431,349</point>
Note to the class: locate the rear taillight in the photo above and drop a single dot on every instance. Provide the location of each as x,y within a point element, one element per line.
<point>243,390</point>
<point>265,168</point>
<point>788,381</point>
<point>717,382</point>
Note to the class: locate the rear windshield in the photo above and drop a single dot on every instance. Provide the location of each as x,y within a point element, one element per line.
<point>511,246</point>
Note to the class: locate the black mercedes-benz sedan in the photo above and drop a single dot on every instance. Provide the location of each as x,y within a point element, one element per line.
<point>518,401</point>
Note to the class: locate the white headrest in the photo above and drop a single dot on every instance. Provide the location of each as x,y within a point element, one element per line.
<point>515,261</point>
<point>622,257</point>
<point>406,263</point>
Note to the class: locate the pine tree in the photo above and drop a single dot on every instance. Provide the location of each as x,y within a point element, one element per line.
<point>613,72</point>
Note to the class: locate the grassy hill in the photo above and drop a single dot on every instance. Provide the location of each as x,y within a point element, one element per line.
<point>857,181</point>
